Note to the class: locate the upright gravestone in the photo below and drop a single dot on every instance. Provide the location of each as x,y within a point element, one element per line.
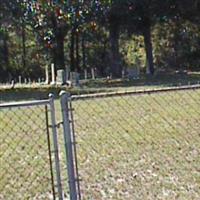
<point>85,74</point>
<point>20,80</point>
<point>46,74</point>
<point>134,72</point>
<point>93,73</point>
<point>74,78</point>
<point>61,77</point>
<point>29,80</point>
<point>123,73</point>
<point>67,73</point>
<point>25,80</point>
<point>53,76</point>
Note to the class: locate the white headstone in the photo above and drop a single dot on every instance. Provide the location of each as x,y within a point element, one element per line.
<point>61,77</point>
<point>74,78</point>
<point>53,76</point>
<point>85,74</point>
<point>93,73</point>
<point>20,80</point>
<point>46,74</point>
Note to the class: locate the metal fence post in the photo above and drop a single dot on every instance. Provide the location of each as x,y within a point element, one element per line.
<point>55,143</point>
<point>68,145</point>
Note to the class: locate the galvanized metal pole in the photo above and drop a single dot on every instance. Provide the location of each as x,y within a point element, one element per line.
<point>68,146</point>
<point>55,143</point>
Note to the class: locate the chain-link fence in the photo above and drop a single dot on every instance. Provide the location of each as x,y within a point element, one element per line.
<point>30,152</point>
<point>128,145</point>
<point>142,145</point>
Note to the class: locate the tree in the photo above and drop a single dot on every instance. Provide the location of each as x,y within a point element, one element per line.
<point>51,21</point>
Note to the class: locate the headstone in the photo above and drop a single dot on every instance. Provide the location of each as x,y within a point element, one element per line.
<point>20,80</point>
<point>123,73</point>
<point>133,73</point>
<point>74,78</point>
<point>46,74</point>
<point>147,68</point>
<point>25,80</point>
<point>12,84</point>
<point>67,73</point>
<point>61,77</point>
<point>29,80</point>
<point>85,74</point>
<point>53,76</point>
<point>93,73</point>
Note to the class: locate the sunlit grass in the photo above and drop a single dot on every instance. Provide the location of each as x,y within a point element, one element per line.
<point>139,147</point>
<point>129,147</point>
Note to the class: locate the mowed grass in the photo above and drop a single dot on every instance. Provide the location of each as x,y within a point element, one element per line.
<point>139,147</point>
<point>24,158</point>
<point>129,147</point>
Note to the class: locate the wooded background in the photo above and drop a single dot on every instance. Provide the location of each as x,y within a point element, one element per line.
<point>108,35</point>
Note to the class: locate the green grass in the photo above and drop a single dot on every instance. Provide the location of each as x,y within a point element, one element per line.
<point>144,147</point>
<point>146,81</point>
<point>36,91</point>
<point>24,160</point>
<point>129,147</point>
<point>41,92</point>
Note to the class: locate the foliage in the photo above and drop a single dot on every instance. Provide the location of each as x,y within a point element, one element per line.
<point>103,34</point>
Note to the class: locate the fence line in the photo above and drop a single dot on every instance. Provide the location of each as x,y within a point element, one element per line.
<point>136,92</point>
<point>121,145</point>
<point>27,147</point>
<point>138,145</point>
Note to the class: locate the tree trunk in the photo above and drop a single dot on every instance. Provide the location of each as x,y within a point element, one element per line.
<point>23,45</point>
<point>58,51</point>
<point>4,64</point>
<point>177,38</point>
<point>60,58</point>
<point>115,67</point>
<point>77,53</point>
<point>5,51</point>
<point>83,51</point>
<point>148,48</point>
<point>72,58</point>
<point>102,68</point>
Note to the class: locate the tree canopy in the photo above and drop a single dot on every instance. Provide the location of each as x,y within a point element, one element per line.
<point>108,35</point>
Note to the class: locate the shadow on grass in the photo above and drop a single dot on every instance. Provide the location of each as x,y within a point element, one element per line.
<point>162,80</point>
<point>99,85</point>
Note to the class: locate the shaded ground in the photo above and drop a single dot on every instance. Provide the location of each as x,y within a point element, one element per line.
<point>21,92</point>
<point>159,80</point>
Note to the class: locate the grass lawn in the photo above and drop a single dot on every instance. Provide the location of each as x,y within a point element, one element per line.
<point>36,91</point>
<point>139,147</point>
<point>129,147</point>
<point>24,160</point>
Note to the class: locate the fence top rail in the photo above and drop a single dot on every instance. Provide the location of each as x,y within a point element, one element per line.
<point>24,103</point>
<point>136,92</point>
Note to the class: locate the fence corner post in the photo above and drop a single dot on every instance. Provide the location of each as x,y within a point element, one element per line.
<point>55,144</point>
<point>64,100</point>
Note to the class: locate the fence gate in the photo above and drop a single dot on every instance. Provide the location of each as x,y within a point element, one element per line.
<point>127,145</point>
<point>29,151</point>
<point>137,145</point>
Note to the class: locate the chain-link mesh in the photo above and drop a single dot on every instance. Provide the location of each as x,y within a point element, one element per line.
<point>143,146</point>
<point>26,170</point>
